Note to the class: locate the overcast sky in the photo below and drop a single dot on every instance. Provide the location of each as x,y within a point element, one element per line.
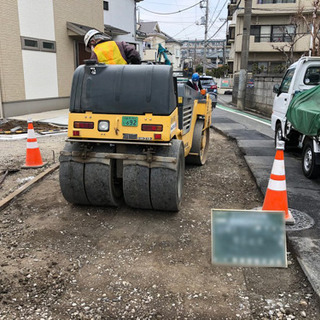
<point>186,25</point>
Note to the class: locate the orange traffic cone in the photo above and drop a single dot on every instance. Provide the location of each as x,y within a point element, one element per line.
<point>33,157</point>
<point>276,196</point>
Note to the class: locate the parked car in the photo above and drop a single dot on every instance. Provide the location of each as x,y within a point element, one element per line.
<point>296,112</point>
<point>210,85</point>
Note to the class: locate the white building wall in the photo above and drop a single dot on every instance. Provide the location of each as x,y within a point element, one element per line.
<point>121,14</point>
<point>175,57</point>
<point>150,55</point>
<point>36,20</point>
<point>40,74</point>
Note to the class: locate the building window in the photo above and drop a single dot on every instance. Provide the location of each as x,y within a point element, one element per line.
<point>30,44</point>
<point>48,46</point>
<point>277,67</point>
<point>283,33</point>
<point>273,33</point>
<point>258,67</point>
<point>106,5</point>
<point>275,1</point>
<point>232,31</point>
<point>38,44</point>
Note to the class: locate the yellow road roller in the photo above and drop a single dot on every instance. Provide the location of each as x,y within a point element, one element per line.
<point>131,128</point>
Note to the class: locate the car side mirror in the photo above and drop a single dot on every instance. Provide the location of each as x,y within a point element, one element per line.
<point>276,88</point>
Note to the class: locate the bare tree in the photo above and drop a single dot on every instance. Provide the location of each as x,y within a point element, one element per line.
<point>291,37</point>
<point>312,21</point>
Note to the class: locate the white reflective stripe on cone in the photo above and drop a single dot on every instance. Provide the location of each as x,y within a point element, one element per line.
<point>277,185</point>
<point>31,134</point>
<point>278,168</point>
<point>32,145</point>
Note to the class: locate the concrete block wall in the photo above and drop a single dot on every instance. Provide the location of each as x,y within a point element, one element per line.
<point>259,98</point>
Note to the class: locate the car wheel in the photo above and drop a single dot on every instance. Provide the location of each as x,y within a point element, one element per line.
<point>278,134</point>
<point>309,167</point>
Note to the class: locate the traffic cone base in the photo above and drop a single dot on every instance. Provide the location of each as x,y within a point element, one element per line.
<point>289,218</point>
<point>33,156</point>
<point>30,166</point>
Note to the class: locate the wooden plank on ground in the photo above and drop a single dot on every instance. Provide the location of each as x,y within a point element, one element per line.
<point>4,202</point>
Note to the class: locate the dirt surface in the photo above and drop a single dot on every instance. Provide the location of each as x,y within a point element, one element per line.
<point>18,126</point>
<point>60,261</point>
<point>13,157</point>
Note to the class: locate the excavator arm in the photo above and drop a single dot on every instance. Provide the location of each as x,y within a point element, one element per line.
<point>162,52</point>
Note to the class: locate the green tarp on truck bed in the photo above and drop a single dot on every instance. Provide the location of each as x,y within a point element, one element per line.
<point>304,112</point>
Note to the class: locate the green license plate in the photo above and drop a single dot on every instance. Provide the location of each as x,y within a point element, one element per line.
<point>130,121</point>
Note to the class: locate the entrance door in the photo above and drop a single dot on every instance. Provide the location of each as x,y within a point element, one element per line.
<point>82,54</point>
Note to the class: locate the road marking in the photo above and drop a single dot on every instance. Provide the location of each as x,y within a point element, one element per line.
<point>246,115</point>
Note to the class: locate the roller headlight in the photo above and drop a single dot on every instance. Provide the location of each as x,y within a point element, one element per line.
<point>103,125</point>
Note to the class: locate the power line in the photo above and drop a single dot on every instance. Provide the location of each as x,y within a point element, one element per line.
<point>218,15</point>
<point>174,22</point>
<point>168,13</point>
<point>150,17</point>
<point>214,10</point>
<point>178,8</point>
<point>266,9</point>
<point>184,29</point>
<point>164,4</point>
<point>218,30</point>
<point>217,18</point>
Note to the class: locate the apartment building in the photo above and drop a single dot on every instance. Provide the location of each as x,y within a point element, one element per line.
<point>272,27</point>
<point>216,51</point>
<point>41,44</point>
<point>195,48</point>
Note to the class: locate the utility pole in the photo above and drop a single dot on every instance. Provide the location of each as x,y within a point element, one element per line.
<point>244,54</point>
<point>195,50</point>
<point>205,38</point>
<point>138,9</point>
<point>224,52</point>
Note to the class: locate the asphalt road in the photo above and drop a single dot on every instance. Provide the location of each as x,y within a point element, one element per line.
<point>255,139</point>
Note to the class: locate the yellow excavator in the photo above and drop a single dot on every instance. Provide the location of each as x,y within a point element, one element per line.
<point>131,128</point>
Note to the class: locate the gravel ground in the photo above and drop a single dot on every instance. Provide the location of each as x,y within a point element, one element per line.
<point>60,261</point>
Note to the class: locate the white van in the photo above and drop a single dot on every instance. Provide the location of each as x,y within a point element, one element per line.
<point>301,75</point>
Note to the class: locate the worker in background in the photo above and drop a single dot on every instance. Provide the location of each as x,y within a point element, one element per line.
<point>195,82</point>
<point>104,50</point>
